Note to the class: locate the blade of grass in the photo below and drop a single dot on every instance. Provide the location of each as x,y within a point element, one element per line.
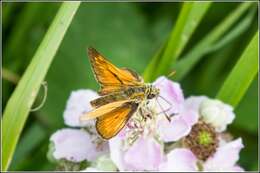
<point>241,76</point>
<point>19,104</point>
<point>206,45</point>
<point>188,20</point>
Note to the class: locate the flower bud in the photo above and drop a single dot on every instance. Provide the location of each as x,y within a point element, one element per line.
<point>216,113</point>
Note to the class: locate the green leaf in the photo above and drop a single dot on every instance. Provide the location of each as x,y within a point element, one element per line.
<point>207,44</point>
<point>247,110</point>
<point>19,104</point>
<point>188,20</point>
<point>241,75</point>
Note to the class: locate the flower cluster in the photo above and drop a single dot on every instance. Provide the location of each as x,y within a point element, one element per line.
<point>195,138</point>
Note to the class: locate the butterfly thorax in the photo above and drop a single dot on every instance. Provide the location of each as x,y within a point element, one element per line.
<point>151,91</point>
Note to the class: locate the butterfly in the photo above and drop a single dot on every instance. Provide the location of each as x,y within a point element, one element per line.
<point>122,93</point>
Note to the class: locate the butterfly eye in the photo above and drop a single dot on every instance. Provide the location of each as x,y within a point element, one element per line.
<point>150,96</point>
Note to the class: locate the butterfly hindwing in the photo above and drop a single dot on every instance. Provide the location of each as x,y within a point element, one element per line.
<point>102,110</point>
<point>111,123</point>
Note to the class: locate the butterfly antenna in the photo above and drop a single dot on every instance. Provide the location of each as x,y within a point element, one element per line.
<point>169,103</point>
<point>171,74</point>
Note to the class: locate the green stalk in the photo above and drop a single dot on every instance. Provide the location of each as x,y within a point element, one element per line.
<point>19,104</point>
<point>242,75</point>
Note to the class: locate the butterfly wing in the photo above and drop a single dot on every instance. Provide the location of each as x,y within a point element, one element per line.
<point>102,110</point>
<point>110,77</point>
<point>111,123</point>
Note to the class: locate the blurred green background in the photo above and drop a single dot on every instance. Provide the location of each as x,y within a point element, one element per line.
<point>128,34</point>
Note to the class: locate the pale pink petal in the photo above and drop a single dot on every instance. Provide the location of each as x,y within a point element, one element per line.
<point>179,160</point>
<point>116,152</point>
<point>237,168</point>
<point>76,145</point>
<point>193,102</point>
<point>174,130</point>
<point>225,157</point>
<point>190,117</point>
<point>145,154</point>
<point>77,104</point>
<point>172,92</point>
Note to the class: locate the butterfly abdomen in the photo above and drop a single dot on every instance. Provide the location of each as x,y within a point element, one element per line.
<point>108,99</point>
<point>136,93</point>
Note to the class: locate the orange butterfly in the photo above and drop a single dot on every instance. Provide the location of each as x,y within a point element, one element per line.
<point>122,92</point>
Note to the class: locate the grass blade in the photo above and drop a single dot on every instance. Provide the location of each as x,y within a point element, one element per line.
<point>206,45</point>
<point>188,20</point>
<point>241,75</point>
<point>19,104</point>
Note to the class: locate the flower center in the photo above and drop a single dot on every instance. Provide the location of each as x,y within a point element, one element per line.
<point>202,140</point>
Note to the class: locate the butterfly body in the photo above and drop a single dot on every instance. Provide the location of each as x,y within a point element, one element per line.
<point>139,94</point>
<point>122,93</point>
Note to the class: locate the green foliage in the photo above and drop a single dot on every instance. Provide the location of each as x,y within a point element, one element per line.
<point>188,19</point>
<point>207,55</point>
<point>207,44</point>
<point>18,106</point>
<point>242,75</point>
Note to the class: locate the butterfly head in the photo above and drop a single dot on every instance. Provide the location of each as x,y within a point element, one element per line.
<point>152,92</point>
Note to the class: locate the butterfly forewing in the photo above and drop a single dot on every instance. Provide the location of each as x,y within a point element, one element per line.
<point>110,77</point>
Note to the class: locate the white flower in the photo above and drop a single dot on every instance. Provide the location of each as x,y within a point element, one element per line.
<point>76,145</point>
<point>77,104</point>
<point>216,113</point>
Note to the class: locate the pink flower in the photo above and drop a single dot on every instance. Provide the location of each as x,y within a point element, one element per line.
<point>77,104</point>
<point>179,160</point>
<point>224,159</point>
<point>76,145</point>
<point>181,123</point>
<point>170,91</point>
<point>174,130</point>
<point>144,154</point>
<point>117,152</point>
